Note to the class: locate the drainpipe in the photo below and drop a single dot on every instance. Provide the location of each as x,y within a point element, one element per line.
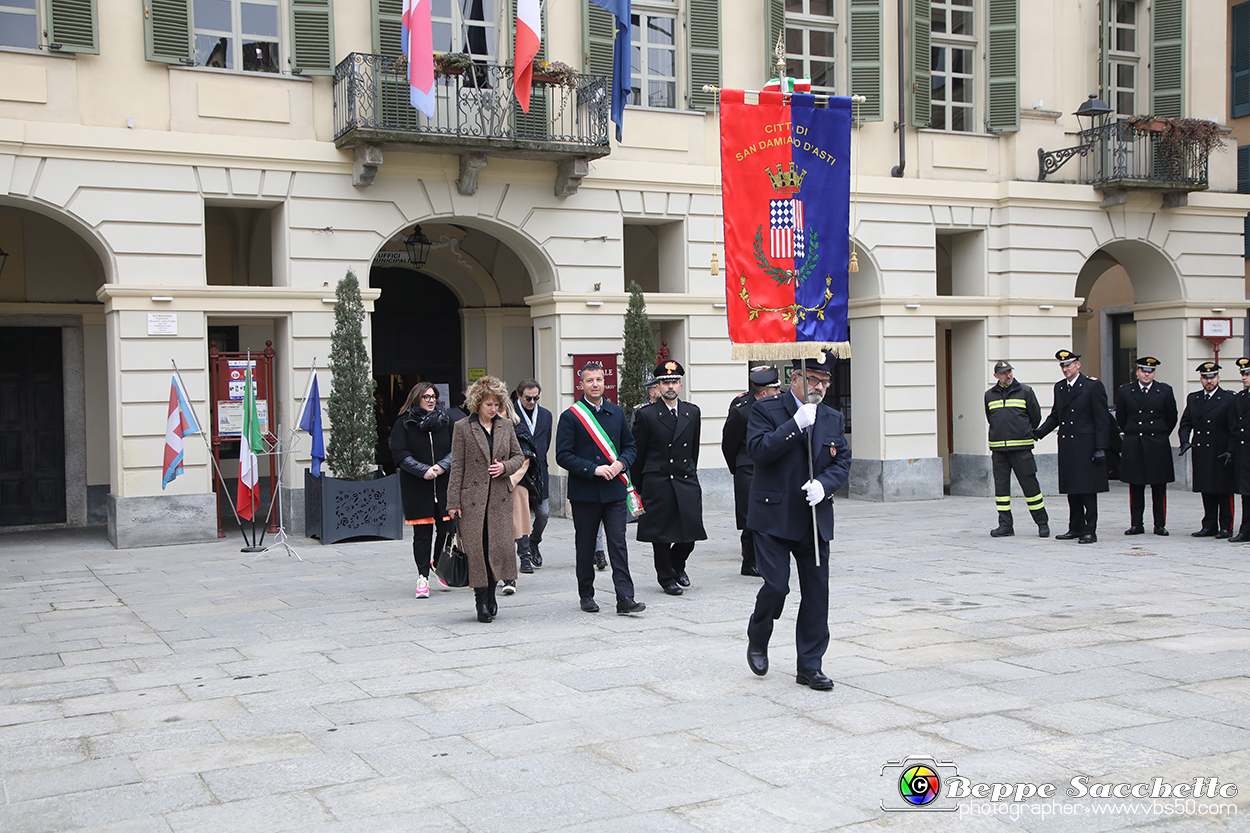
<point>897,171</point>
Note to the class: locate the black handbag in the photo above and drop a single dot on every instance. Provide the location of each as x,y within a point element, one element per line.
<point>453,564</point>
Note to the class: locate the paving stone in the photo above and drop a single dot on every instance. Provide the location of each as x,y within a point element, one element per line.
<point>1189,738</point>
<point>545,809</point>
<point>30,784</point>
<point>991,731</point>
<point>280,775</point>
<point>231,755</point>
<point>137,801</point>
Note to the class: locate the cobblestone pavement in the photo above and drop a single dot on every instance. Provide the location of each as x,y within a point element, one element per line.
<point>191,689</point>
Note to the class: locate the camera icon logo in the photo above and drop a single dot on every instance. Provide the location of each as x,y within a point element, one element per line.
<point>916,784</point>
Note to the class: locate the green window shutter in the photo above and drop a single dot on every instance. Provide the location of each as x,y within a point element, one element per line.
<point>1167,56</point>
<point>1243,187</point>
<point>167,33</point>
<point>387,25</point>
<point>865,52</point>
<point>72,26</point>
<point>598,39</point>
<point>702,52</point>
<point>1003,60</point>
<point>312,36</point>
<point>1104,47</point>
<point>921,72</point>
<point>1241,60</point>
<point>774,28</point>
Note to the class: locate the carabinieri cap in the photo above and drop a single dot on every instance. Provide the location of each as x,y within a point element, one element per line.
<point>1244,366</point>
<point>1066,357</point>
<point>764,376</point>
<point>669,371</point>
<point>1209,370</point>
<point>1148,363</point>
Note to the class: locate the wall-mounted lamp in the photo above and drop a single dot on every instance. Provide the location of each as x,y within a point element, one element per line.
<point>418,246</point>
<point>162,297</point>
<point>594,303</point>
<point>1045,306</point>
<point>912,306</point>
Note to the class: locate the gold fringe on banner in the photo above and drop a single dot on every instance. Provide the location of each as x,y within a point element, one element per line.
<point>793,350</point>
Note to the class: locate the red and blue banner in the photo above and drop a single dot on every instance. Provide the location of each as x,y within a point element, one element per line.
<point>786,187</point>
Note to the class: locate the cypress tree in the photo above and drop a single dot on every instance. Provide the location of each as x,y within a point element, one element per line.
<point>350,406</point>
<point>639,350</point>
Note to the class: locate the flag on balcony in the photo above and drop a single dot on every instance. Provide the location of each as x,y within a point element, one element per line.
<point>619,9</point>
<point>418,43</point>
<point>310,421</point>
<point>249,446</point>
<point>791,85</point>
<point>786,187</point>
<point>180,423</point>
<point>529,29</point>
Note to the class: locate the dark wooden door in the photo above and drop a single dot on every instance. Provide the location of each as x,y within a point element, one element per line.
<point>32,427</point>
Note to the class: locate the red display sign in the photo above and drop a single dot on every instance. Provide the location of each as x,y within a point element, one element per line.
<point>608,360</point>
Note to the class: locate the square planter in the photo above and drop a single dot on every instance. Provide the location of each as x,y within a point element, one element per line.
<point>338,509</point>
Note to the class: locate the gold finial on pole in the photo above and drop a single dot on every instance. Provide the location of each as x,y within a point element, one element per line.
<point>780,51</point>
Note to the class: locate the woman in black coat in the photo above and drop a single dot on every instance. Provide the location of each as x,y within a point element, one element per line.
<point>421,445</point>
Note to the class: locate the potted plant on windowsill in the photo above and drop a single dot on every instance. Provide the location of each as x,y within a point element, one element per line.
<point>451,63</point>
<point>555,72</point>
<point>357,501</point>
<point>1176,133</point>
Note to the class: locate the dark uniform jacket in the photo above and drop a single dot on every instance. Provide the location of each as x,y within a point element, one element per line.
<point>1147,420</point>
<point>778,504</point>
<point>733,446</point>
<point>1080,414</point>
<point>1012,413</point>
<point>665,473</point>
<point>1208,420</point>
<point>578,453</point>
<point>1239,438</point>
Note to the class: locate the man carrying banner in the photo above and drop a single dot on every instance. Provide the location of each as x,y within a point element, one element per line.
<point>595,446</point>
<point>787,484</point>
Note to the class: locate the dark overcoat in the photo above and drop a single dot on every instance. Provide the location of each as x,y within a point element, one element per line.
<point>542,442</point>
<point>1207,419</point>
<point>425,437</point>
<point>1080,414</point>
<point>1147,420</point>
<point>1239,438</point>
<point>779,448</point>
<point>485,502</point>
<point>578,454</point>
<point>666,473</point>
<point>733,446</point>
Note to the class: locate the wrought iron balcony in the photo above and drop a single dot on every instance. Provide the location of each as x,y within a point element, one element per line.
<point>476,116</point>
<point>1117,157</point>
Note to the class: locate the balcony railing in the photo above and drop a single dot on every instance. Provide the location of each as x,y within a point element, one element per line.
<point>1122,156</point>
<point>475,111</point>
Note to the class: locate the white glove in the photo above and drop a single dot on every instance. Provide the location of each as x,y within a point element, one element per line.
<point>805,415</point>
<point>815,492</point>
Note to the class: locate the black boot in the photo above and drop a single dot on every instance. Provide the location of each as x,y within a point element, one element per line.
<point>523,553</point>
<point>483,607</point>
<point>492,606</point>
<point>1005,528</point>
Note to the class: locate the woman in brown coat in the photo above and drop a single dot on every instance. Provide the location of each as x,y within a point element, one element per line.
<point>484,455</point>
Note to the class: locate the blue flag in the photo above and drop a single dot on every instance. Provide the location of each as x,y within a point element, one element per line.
<point>620,59</point>
<point>310,421</point>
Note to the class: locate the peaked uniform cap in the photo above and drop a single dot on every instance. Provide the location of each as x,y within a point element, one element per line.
<point>669,371</point>
<point>1066,357</point>
<point>1148,363</point>
<point>1209,369</point>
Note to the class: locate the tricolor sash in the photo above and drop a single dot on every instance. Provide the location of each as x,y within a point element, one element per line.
<point>632,499</point>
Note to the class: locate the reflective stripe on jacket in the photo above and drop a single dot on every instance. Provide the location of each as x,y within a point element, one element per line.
<point>1012,413</point>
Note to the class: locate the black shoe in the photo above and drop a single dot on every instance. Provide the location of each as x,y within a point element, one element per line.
<point>1135,530</point>
<point>1240,537</point>
<point>1088,538</point>
<point>482,604</point>
<point>814,680</point>
<point>628,605</point>
<point>590,606</point>
<point>1002,531</point>
<point>672,589</point>
<point>601,560</point>
<point>527,565</point>
<point>1066,536</point>
<point>1224,533</point>
<point>1043,530</point>
<point>757,659</point>
<point>1159,530</point>
<point>1204,533</point>
<point>683,579</point>
<point>750,570</point>
<point>492,604</point>
<point>536,558</point>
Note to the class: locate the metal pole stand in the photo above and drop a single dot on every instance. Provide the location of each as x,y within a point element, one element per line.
<point>280,540</point>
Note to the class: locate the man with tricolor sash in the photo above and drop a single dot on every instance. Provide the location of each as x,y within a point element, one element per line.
<point>1013,413</point>
<point>595,446</point>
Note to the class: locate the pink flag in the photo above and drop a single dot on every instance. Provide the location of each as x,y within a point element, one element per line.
<point>528,37</point>
<point>418,43</point>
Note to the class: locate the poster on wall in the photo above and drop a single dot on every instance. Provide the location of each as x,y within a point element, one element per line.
<point>608,360</point>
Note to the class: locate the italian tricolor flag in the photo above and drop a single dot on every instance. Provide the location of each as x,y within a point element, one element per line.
<point>250,445</point>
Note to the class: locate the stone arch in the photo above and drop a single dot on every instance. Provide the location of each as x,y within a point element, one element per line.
<point>81,233</point>
<point>1152,272</point>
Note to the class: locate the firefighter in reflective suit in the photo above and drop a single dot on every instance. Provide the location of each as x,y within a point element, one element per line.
<point>1013,413</point>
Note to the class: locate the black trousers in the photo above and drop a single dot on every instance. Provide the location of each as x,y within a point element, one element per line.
<point>811,630</point>
<point>1022,463</point>
<point>1158,503</point>
<point>1245,514</point>
<point>587,515</point>
<point>748,548</point>
<point>670,560</point>
<point>422,535</point>
<point>1217,511</point>
<point>1083,514</point>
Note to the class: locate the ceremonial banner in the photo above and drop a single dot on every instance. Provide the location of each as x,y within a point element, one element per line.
<point>786,189</point>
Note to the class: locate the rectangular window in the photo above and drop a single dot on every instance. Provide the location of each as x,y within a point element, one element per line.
<point>238,34</point>
<point>1124,57</point>
<point>19,24</point>
<point>466,26</point>
<point>653,56</point>
<point>811,38</point>
<point>953,45</point>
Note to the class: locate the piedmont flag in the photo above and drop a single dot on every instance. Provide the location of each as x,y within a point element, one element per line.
<point>180,423</point>
<point>786,186</point>
<point>621,72</point>
<point>418,42</point>
<point>310,421</point>
<point>529,29</point>
<point>249,446</point>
